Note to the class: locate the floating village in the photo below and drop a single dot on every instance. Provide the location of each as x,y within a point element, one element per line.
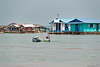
<point>75,26</point>
<point>57,26</point>
<point>23,28</point>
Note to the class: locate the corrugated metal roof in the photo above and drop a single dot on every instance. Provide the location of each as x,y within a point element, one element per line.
<point>66,20</point>
<point>16,25</point>
<point>84,20</point>
<point>28,25</point>
<point>24,24</point>
<point>89,20</point>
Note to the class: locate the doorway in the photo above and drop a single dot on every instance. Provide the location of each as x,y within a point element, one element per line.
<point>97,27</point>
<point>58,27</point>
<point>76,27</point>
<point>66,27</point>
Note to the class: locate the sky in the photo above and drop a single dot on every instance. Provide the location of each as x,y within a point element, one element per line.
<point>44,11</point>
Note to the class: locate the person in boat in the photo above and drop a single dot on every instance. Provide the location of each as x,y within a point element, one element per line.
<point>37,37</point>
<point>48,37</point>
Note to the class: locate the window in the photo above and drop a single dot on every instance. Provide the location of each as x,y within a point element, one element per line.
<point>91,25</point>
<point>26,27</point>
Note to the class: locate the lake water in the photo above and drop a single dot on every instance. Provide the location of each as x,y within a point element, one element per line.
<point>18,50</point>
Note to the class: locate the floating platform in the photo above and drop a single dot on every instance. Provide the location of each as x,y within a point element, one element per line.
<point>76,33</point>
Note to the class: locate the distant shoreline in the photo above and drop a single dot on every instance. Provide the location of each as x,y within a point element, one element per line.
<point>19,32</point>
<point>56,33</point>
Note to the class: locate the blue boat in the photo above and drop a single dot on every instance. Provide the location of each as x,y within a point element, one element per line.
<point>35,40</point>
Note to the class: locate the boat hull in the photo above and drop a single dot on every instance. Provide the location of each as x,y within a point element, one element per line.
<point>46,40</point>
<point>35,40</point>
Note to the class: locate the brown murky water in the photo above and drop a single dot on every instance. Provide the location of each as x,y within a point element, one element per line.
<point>18,50</point>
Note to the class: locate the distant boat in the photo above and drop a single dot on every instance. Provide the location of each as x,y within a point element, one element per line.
<point>35,40</point>
<point>46,40</point>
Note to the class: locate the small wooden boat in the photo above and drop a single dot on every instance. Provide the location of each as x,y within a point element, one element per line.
<point>46,40</point>
<point>35,40</point>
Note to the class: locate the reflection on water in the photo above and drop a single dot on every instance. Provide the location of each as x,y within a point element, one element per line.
<point>19,48</point>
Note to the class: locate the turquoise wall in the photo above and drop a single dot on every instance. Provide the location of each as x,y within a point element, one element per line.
<point>80,27</point>
<point>73,27</point>
<point>99,27</point>
<point>85,28</point>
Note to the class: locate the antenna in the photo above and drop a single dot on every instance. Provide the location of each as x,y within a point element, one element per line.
<point>57,15</point>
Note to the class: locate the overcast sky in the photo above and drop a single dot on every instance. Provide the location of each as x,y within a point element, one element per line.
<point>44,11</point>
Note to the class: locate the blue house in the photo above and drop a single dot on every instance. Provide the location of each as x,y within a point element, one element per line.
<point>75,25</point>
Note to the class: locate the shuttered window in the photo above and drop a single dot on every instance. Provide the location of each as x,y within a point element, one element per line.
<point>91,25</point>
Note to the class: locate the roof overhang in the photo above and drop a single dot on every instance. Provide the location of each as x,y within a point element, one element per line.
<point>75,23</point>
